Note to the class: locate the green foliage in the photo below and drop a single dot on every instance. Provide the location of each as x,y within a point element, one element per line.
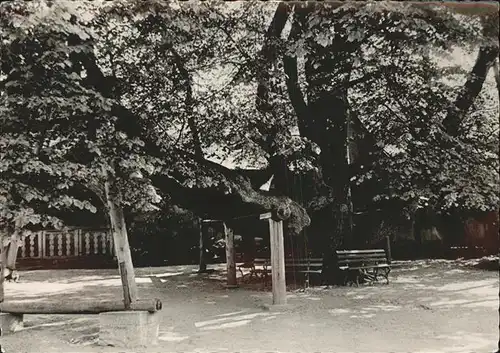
<point>404,110</point>
<point>391,55</point>
<point>59,130</point>
<point>135,88</point>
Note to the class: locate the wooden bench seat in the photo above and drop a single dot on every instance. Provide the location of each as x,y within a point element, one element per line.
<point>366,264</point>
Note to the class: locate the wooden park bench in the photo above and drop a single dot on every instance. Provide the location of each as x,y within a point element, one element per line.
<point>259,266</point>
<point>306,266</point>
<point>366,264</point>
<point>262,267</point>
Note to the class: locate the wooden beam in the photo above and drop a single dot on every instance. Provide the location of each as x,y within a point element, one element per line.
<point>277,261</point>
<point>65,306</point>
<point>230,256</point>
<point>265,215</point>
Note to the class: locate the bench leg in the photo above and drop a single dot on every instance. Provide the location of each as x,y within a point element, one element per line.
<point>387,275</point>
<point>252,274</point>
<point>375,275</point>
<point>372,277</point>
<point>266,279</point>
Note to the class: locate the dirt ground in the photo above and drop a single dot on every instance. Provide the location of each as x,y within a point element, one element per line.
<point>429,306</point>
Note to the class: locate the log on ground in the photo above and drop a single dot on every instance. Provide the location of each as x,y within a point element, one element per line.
<point>78,306</point>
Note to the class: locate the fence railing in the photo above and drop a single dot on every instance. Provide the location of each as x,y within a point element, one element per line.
<point>74,243</point>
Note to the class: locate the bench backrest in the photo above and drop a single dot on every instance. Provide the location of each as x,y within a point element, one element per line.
<point>361,257</point>
<point>261,262</point>
<point>302,263</point>
<point>311,263</point>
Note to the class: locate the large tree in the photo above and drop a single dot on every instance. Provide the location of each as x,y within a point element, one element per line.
<point>80,127</point>
<point>357,56</point>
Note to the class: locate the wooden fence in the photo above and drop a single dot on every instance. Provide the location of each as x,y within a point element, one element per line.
<point>70,244</point>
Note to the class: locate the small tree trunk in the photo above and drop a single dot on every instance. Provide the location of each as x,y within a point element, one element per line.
<point>12,250</point>
<point>497,75</point>
<point>230,256</point>
<point>203,261</point>
<point>2,262</point>
<point>122,247</point>
<point>10,257</point>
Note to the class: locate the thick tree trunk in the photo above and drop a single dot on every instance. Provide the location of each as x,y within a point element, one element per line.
<point>269,55</point>
<point>330,130</point>
<point>189,101</point>
<point>327,73</point>
<point>120,237</point>
<point>324,120</point>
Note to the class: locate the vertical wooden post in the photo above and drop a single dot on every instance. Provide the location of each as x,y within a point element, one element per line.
<point>388,249</point>
<point>203,263</point>
<point>11,252</point>
<point>2,263</point>
<point>277,259</point>
<point>230,256</point>
<point>121,244</point>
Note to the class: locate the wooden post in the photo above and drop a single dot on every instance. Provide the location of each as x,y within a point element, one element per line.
<point>230,256</point>
<point>2,262</point>
<point>122,247</point>
<point>388,249</point>
<point>11,252</point>
<point>203,263</point>
<point>277,259</point>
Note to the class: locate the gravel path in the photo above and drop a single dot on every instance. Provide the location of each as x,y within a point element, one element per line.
<point>428,307</point>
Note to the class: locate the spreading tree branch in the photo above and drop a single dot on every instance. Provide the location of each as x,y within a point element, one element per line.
<point>291,74</point>
<point>269,53</point>
<point>486,57</point>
